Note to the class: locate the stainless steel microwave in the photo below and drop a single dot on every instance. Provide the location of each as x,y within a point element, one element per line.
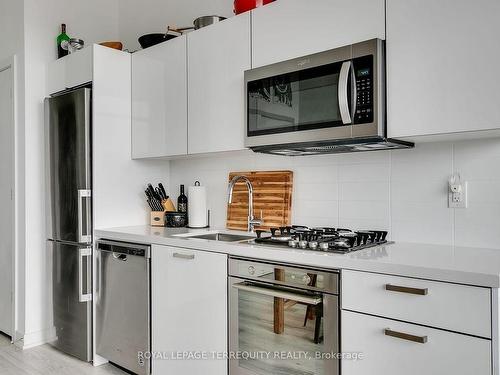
<point>329,102</point>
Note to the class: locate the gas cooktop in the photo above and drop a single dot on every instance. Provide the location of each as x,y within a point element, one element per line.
<point>336,240</point>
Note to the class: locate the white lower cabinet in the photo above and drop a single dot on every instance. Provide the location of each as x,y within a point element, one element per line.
<point>189,311</point>
<point>454,307</point>
<point>443,352</point>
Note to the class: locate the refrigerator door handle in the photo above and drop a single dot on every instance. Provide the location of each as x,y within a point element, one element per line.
<point>85,252</point>
<point>87,236</point>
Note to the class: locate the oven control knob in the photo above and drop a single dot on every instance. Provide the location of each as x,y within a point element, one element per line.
<point>251,270</point>
<point>306,279</point>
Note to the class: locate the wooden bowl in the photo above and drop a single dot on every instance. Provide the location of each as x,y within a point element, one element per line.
<point>114,45</point>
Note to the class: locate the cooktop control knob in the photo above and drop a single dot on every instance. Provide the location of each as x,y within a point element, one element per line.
<point>251,270</point>
<point>324,246</point>
<point>306,279</point>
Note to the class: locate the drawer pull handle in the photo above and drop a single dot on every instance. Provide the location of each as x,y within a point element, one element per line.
<point>184,256</point>
<point>405,289</point>
<point>405,336</point>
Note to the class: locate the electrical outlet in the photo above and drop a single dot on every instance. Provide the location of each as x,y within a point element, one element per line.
<point>457,195</point>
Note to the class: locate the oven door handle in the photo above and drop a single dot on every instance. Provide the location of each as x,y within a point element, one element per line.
<point>346,71</point>
<point>310,300</point>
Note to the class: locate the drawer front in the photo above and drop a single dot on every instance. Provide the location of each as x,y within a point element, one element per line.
<point>441,353</point>
<point>459,308</point>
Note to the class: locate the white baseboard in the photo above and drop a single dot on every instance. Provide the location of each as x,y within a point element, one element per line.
<point>32,339</point>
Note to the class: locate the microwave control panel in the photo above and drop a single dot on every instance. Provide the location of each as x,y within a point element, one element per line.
<point>363,71</point>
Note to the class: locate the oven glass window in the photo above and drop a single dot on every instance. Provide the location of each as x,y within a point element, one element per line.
<point>296,101</point>
<point>282,335</point>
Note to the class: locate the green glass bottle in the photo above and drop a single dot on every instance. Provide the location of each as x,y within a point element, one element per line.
<point>61,38</point>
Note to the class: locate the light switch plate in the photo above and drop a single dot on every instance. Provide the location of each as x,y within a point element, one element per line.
<point>458,200</point>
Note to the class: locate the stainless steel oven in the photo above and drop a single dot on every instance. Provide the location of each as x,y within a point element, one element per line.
<point>283,319</point>
<point>333,101</point>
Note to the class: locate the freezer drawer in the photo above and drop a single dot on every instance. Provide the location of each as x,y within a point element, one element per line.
<point>71,298</point>
<point>123,305</point>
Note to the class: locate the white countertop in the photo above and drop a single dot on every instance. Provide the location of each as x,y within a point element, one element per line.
<point>464,265</point>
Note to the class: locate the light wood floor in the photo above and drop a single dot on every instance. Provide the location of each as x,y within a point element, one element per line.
<point>45,360</point>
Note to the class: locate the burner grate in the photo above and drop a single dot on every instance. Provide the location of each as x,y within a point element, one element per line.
<point>340,240</point>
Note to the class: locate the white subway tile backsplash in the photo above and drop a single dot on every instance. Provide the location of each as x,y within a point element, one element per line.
<point>403,191</point>
<point>327,174</point>
<point>478,226</point>
<point>364,172</point>
<point>364,191</point>
<point>364,224</point>
<point>320,209</point>
<point>421,222</point>
<point>317,192</point>
<point>427,161</point>
<point>370,210</point>
<point>483,192</point>
<point>313,221</point>
<point>478,159</point>
<point>433,191</point>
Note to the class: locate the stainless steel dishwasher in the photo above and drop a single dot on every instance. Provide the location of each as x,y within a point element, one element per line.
<point>123,329</point>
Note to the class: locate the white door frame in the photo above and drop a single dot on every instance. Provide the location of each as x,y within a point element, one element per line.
<point>10,64</point>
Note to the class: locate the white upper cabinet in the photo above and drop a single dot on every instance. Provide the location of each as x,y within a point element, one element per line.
<point>71,71</point>
<point>218,55</point>
<point>442,66</point>
<point>159,100</point>
<point>288,29</point>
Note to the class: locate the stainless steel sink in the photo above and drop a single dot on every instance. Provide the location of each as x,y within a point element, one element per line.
<point>224,237</point>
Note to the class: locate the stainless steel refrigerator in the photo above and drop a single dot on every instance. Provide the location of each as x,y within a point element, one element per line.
<point>69,218</point>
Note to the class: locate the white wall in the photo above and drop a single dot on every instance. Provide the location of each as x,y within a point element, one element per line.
<point>12,43</point>
<point>150,16</point>
<point>93,21</point>
<point>403,191</point>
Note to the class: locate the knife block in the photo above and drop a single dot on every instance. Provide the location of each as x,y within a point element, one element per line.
<point>157,218</point>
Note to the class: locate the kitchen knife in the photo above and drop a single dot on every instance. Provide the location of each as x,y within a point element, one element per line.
<point>159,193</point>
<point>151,191</point>
<point>162,189</point>
<point>151,205</point>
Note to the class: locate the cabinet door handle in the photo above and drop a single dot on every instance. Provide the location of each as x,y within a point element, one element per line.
<point>406,289</point>
<point>183,256</point>
<point>405,336</point>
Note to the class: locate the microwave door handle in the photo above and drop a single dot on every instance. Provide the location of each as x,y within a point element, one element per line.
<point>354,93</point>
<point>343,91</point>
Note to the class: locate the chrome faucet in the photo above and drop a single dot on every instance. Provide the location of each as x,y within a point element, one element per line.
<point>252,221</point>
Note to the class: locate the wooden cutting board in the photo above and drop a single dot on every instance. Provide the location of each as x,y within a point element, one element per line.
<point>272,193</point>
